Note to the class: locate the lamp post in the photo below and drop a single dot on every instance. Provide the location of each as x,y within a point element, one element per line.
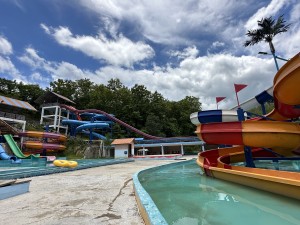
<point>275,58</point>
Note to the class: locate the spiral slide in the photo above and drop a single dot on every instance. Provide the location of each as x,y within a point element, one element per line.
<point>280,136</point>
<point>77,112</point>
<point>83,126</point>
<point>43,145</point>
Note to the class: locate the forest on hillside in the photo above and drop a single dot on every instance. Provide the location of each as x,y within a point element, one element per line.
<point>137,106</point>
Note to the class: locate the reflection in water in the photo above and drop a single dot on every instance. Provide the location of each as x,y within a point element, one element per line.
<point>184,196</point>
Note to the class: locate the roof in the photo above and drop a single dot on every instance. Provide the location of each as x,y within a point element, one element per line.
<point>123,141</point>
<point>16,103</point>
<point>5,128</point>
<point>52,97</point>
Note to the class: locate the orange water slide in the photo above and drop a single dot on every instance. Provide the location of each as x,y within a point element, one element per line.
<point>282,137</point>
<point>55,137</point>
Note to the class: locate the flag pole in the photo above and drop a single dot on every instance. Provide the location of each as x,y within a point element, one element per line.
<point>218,99</point>
<point>237,98</point>
<point>237,88</point>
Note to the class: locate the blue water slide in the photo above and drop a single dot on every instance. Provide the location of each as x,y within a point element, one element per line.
<point>84,126</point>
<point>91,126</point>
<point>5,156</point>
<point>96,135</point>
<point>74,122</point>
<point>96,117</point>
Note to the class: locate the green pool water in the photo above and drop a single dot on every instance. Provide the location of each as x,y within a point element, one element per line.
<point>185,196</point>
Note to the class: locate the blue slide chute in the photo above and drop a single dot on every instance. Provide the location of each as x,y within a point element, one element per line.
<point>4,156</point>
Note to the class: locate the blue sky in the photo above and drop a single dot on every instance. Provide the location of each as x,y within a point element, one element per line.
<point>179,48</point>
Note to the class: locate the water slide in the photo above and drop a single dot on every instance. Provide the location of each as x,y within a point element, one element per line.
<point>261,135</point>
<point>97,111</point>
<point>84,126</point>
<point>57,138</point>
<point>15,148</point>
<point>5,156</point>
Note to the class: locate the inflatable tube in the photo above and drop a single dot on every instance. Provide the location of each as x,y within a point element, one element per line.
<point>73,164</point>
<point>65,163</point>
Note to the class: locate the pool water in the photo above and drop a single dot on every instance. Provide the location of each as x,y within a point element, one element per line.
<point>185,196</point>
<point>285,165</point>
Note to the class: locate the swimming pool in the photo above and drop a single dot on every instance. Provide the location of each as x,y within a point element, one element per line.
<point>184,195</point>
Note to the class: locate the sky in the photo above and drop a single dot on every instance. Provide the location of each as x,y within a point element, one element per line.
<point>178,48</point>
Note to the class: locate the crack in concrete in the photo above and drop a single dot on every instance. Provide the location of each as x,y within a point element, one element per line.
<point>118,195</point>
<point>109,215</point>
<point>110,206</point>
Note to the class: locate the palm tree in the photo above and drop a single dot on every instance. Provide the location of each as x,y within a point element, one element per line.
<point>267,30</point>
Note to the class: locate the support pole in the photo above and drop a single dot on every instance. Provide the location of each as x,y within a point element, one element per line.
<point>55,117</point>
<point>276,64</point>
<point>247,149</point>
<point>237,98</point>
<point>263,109</point>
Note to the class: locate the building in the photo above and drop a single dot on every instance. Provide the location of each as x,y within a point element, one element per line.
<point>124,148</point>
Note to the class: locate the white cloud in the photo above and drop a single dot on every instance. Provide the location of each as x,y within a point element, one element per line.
<point>205,77</point>
<point>286,44</point>
<point>10,71</point>
<point>52,70</point>
<point>31,58</point>
<point>173,22</point>
<point>117,51</point>
<point>189,52</point>
<point>217,44</point>
<point>7,67</point>
<point>5,46</point>
<point>36,77</point>
<point>187,25</point>
<point>65,70</point>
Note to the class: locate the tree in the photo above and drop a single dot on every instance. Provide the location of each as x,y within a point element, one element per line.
<point>8,88</point>
<point>29,93</point>
<point>65,88</point>
<point>267,30</point>
<point>82,94</point>
<point>115,84</point>
<point>182,109</point>
<point>153,125</point>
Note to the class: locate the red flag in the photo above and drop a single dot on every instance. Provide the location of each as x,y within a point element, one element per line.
<point>218,99</point>
<point>239,87</point>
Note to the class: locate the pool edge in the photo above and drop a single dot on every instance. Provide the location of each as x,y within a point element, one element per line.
<point>147,208</point>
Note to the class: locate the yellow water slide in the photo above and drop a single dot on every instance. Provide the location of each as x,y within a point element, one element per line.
<point>282,137</point>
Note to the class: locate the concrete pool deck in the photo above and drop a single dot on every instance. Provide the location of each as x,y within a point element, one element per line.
<point>99,195</point>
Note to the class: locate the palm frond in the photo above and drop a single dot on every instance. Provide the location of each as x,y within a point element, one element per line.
<point>267,29</point>
<point>280,26</point>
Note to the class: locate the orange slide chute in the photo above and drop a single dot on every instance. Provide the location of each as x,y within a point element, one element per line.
<point>280,136</point>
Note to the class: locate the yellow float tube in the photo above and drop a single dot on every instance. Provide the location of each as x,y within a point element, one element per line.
<point>65,163</point>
